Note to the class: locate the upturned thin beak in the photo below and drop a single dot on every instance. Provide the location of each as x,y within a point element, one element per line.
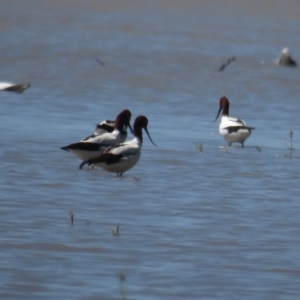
<point>218,114</point>
<point>149,136</point>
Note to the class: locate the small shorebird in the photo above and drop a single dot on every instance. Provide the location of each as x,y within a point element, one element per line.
<point>233,130</point>
<point>286,58</point>
<point>11,87</point>
<point>95,145</point>
<point>122,157</point>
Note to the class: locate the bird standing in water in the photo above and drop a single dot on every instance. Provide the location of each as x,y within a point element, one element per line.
<point>232,129</point>
<point>122,157</point>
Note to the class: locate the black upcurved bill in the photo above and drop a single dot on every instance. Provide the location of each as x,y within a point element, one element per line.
<point>149,137</point>
<point>218,114</point>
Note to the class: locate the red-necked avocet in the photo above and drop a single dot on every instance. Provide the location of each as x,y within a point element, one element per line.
<point>95,145</point>
<point>233,130</point>
<point>122,157</point>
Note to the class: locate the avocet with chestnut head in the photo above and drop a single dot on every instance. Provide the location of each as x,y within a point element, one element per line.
<point>122,157</point>
<point>93,146</point>
<point>232,129</point>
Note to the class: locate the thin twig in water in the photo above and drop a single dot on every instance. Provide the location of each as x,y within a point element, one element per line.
<point>224,65</point>
<point>291,148</point>
<point>122,277</point>
<point>258,149</point>
<point>72,216</point>
<point>116,230</point>
<point>199,146</point>
<point>99,61</point>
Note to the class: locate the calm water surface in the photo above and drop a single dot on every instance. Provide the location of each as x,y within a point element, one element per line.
<point>222,224</point>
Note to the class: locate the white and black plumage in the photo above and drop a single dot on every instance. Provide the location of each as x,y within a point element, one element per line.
<point>286,58</point>
<point>233,130</point>
<point>107,126</point>
<point>122,157</point>
<point>95,145</point>
<point>12,87</point>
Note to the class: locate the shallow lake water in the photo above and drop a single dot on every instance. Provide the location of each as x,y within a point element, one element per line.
<point>220,223</point>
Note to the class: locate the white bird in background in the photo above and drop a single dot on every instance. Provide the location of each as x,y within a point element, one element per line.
<point>122,157</point>
<point>11,87</point>
<point>286,58</point>
<point>233,130</point>
<point>95,145</point>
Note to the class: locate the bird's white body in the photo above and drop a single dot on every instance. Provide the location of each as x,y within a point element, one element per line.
<point>122,157</point>
<point>286,58</point>
<point>5,85</point>
<point>84,152</point>
<point>104,127</point>
<point>107,138</point>
<point>95,145</point>
<point>233,130</point>
<point>12,87</point>
<point>131,153</point>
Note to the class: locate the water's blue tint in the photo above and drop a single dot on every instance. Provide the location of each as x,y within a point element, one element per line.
<point>222,224</point>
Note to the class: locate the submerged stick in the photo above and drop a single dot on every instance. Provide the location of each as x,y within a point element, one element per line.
<point>224,65</point>
<point>292,147</point>
<point>72,216</point>
<point>122,277</point>
<point>115,230</point>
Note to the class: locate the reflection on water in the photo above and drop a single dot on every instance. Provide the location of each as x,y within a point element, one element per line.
<point>197,219</point>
